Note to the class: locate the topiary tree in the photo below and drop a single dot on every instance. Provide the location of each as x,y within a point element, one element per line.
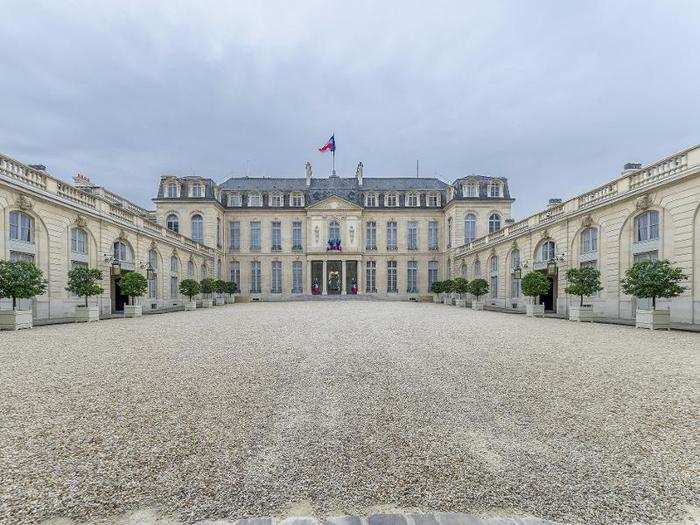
<point>84,282</point>
<point>20,280</point>
<point>190,288</point>
<point>461,285</point>
<point>478,287</point>
<point>437,287</point>
<point>448,285</point>
<point>133,284</point>
<point>220,286</point>
<point>583,282</point>
<point>534,284</point>
<point>230,287</point>
<point>207,286</point>
<point>653,279</point>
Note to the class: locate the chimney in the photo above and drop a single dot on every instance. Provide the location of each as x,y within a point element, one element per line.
<point>630,167</point>
<point>359,174</point>
<point>309,173</point>
<point>553,202</point>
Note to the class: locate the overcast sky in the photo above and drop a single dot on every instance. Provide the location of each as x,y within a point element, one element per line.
<point>556,96</point>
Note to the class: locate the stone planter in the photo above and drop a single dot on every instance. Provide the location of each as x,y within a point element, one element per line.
<point>534,310</point>
<point>86,314</point>
<point>476,305</point>
<point>190,305</point>
<point>461,303</point>
<point>133,310</point>
<point>581,313</point>
<point>230,299</point>
<point>654,319</point>
<point>15,319</point>
<point>219,301</point>
<point>436,298</point>
<point>207,303</point>
<point>446,299</point>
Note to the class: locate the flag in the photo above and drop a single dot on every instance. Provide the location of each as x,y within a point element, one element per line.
<point>330,145</point>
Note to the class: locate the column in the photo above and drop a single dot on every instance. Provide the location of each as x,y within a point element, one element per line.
<point>325,279</point>
<point>344,279</point>
<point>360,277</point>
<point>308,283</point>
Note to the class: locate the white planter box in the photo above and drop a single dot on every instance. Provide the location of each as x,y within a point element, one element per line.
<point>461,303</point>
<point>436,298</point>
<point>582,313</point>
<point>446,299</point>
<point>219,301</point>
<point>534,310</point>
<point>207,303</point>
<point>86,314</point>
<point>230,299</point>
<point>190,305</point>
<point>15,319</point>
<point>477,306</point>
<point>654,319</point>
<point>133,310</point>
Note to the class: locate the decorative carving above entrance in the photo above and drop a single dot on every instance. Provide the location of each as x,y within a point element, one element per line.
<point>644,202</point>
<point>80,221</point>
<point>587,222</point>
<point>544,234</point>
<point>122,235</point>
<point>24,203</point>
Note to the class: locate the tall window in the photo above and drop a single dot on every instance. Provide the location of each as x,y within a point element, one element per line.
<point>494,222</point>
<point>234,272</point>
<point>255,277</point>
<point>477,269</point>
<point>197,228</point>
<point>21,227</point>
<point>205,271</point>
<point>196,190</point>
<point>122,252</point>
<point>449,232</point>
<point>646,226</point>
<point>78,241</point>
<point>276,285</point>
<point>172,223</point>
<point>432,273</point>
<point>469,227</point>
<point>297,277</point>
<point>391,200</point>
<point>433,200</point>
<point>495,190</point>
<point>391,284</point>
<point>371,200</point>
<point>297,200</point>
<point>493,273</point>
<point>234,235</point>
<point>296,236</point>
<point>153,279</point>
<point>514,265</point>
<point>432,235</point>
<point>547,251</point>
<point>190,269</point>
<point>255,235</point>
<point>412,199</point>
<point>391,235</point>
<point>371,277</point>
<point>334,231</point>
<point>412,276</point>
<point>589,240</point>
<point>470,190</point>
<point>172,190</point>
<point>255,200</point>
<point>218,232</point>
<point>174,276</point>
<point>371,236</point>
<point>276,236</point>
<point>277,200</point>
<point>412,235</point>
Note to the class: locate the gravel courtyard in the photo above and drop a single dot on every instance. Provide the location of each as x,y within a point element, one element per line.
<point>344,407</point>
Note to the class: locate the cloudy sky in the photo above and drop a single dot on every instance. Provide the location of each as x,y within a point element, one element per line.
<point>556,96</point>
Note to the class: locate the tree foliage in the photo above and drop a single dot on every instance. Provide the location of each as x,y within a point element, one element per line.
<point>133,284</point>
<point>461,285</point>
<point>190,288</point>
<point>583,282</point>
<point>207,285</point>
<point>448,285</point>
<point>437,287</point>
<point>653,279</point>
<point>84,282</point>
<point>220,286</point>
<point>534,284</point>
<point>20,280</point>
<point>478,287</point>
<point>230,287</point>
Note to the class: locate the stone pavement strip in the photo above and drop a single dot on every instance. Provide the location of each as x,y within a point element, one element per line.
<point>437,518</point>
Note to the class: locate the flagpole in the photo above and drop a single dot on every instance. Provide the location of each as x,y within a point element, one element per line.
<point>333,162</point>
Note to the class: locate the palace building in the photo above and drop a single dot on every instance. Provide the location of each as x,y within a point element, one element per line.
<point>287,238</point>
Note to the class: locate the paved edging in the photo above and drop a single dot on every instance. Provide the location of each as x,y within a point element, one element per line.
<point>435,518</point>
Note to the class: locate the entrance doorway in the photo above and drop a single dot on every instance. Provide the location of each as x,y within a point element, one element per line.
<point>316,277</point>
<point>119,299</point>
<point>335,277</point>
<point>549,300</point>
<point>351,277</point>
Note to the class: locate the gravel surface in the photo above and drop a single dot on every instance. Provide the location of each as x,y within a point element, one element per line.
<point>345,407</point>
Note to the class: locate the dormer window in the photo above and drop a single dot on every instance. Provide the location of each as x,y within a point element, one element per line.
<point>277,200</point>
<point>391,200</point>
<point>297,200</point>
<point>412,200</point>
<point>495,190</point>
<point>172,190</point>
<point>469,190</point>
<point>371,200</point>
<point>234,199</point>
<point>254,200</point>
<point>196,191</point>
<point>434,200</point>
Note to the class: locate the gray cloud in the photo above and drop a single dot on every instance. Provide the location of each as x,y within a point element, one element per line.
<point>556,96</point>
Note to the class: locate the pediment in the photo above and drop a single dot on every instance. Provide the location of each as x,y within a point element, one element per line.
<point>334,203</point>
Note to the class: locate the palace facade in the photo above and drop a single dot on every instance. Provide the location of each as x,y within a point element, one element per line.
<point>284,238</point>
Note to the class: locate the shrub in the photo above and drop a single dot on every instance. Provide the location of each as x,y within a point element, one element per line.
<point>583,282</point>
<point>448,285</point>
<point>190,288</point>
<point>133,284</point>
<point>478,287</point>
<point>534,284</point>
<point>84,282</point>
<point>207,285</point>
<point>230,287</point>
<point>437,287</point>
<point>20,280</point>
<point>653,279</point>
<point>461,285</point>
<point>220,286</point>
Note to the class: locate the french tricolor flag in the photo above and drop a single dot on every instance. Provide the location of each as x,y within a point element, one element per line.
<point>328,146</point>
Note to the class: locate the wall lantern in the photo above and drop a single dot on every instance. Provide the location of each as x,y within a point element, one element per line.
<point>551,268</point>
<point>150,274</point>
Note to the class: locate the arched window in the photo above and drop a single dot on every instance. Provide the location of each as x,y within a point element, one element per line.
<point>469,227</point>
<point>172,223</point>
<point>494,222</point>
<point>334,231</point>
<point>463,270</point>
<point>190,269</point>
<point>153,274</point>
<point>122,252</point>
<point>514,265</point>
<point>174,276</point>
<point>589,240</point>
<point>646,226</point>
<point>78,241</point>
<point>493,274</point>
<point>205,271</point>
<point>21,227</point>
<point>547,251</point>
<point>197,228</point>
<point>477,269</point>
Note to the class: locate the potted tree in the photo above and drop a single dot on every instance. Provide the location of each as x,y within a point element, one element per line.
<point>190,288</point>
<point>477,288</point>
<point>652,279</point>
<point>461,287</point>
<point>220,289</point>
<point>206,287</point>
<point>437,288</point>
<point>19,280</point>
<point>534,284</point>
<point>84,282</point>
<point>583,282</point>
<point>230,289</point>
<point>133,284</point>
<point>447,291</point>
